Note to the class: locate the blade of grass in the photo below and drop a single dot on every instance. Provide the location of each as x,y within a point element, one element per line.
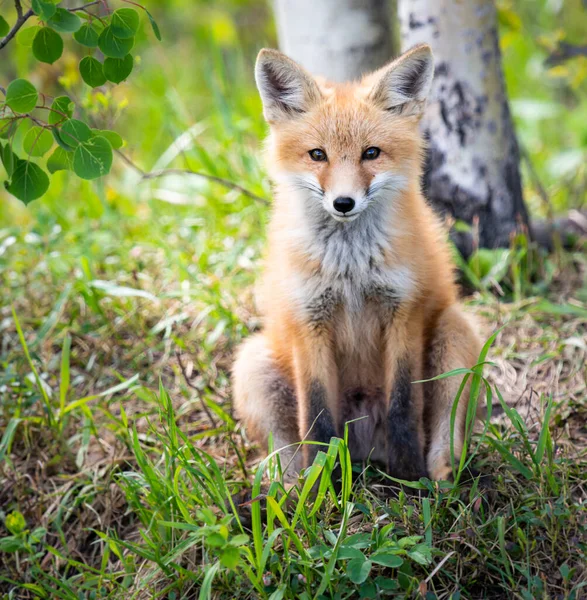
<point>48,407</point>
<point>64,375</point>
<point>542,440</point>
<point>206,589</point>
<point>123,385</point>
<point>427,516</point>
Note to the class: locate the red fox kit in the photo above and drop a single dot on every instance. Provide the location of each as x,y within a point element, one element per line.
<point>358,296</point>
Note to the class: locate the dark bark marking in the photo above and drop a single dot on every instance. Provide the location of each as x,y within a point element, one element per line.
<point>405,454</point>
<point>414,23</point>
<point>444,115</point>
<point>441,69</point>
<point>462,114</point>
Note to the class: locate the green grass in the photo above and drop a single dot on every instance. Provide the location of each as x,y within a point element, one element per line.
<point>122,303</point>
<point>127,491</point>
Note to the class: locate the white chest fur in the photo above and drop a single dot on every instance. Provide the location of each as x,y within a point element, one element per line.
<point>352,268</point>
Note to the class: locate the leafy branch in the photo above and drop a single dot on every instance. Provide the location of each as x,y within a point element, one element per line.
<point>86,151</point>
<point>145,175</point>
<point>22,18</point>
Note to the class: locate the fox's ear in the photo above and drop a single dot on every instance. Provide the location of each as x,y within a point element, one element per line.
<point>403,85</point>
<point>286,89</point>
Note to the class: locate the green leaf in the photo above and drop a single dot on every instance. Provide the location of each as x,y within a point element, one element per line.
<point>154,25</point>
<point>44,10</point>
<point>21,96</point>
<point>86,35</point>
<point>421,554</point>
<point>15,522</point>
<point>65,21</point>
<point>93,158</point>
<point>74,132</point>
<point>92,72</point>
<point>112,46</point>
<point>4,26</point>
<point>37,141</point>
<point>358,570</point>
<point>7,127</point>
<point>60,160</point>
<point>28,181</point>
<point>10,543</point>
<point>47,45</point>
<point>26,36</point>
<point>409,540</point>
<point>37,535</point>
<point>385,583</point>
<point>124,23</point>
<point>115,140</point>
<point>239,540</point>
<point>61,110</point>
<point>118,69</point>
<point>388,560</point>
<point>230,557</point>
<point>346,553</point>
<point>59,139</point>
<point>8,158</point>
<point>357,540</point>
<point>215,540</point>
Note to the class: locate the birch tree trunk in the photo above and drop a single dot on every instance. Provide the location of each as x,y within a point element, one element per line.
<point>473,161</point>
<point>338,39</point>
<point>472,164</point>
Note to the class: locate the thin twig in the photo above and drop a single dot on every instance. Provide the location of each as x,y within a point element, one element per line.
<point>439,566</point>
<point>225,182</point>
<point>130,163</point>
<point>162,172</point>
<point>190,384</point>
<point>20,21</point>
<point>84,7</point>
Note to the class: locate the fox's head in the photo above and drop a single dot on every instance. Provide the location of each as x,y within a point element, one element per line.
<point>344,147</point>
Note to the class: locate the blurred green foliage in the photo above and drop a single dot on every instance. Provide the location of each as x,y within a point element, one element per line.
<point>549,101</point>
<point>87,152</point>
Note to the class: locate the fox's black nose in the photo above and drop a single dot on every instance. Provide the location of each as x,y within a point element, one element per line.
<point>344,205</point>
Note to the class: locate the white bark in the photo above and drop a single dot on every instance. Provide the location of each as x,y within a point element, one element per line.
<point>473,159</point>
<point>338,39</point>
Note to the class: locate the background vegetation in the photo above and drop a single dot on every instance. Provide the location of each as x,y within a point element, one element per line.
<point>123,298</point>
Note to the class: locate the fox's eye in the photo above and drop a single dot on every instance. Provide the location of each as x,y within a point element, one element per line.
<point>317,154</point>
<point>371,153</point>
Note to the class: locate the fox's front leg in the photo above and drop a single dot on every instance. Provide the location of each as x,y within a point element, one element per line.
<point>317,391</point>
<point>405,412</point>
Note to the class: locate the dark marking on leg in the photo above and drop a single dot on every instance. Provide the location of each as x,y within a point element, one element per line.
<point>404,450</point>
<point>319,420</point>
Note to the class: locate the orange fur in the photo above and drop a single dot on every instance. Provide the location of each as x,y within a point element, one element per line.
<point>354,349</point>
